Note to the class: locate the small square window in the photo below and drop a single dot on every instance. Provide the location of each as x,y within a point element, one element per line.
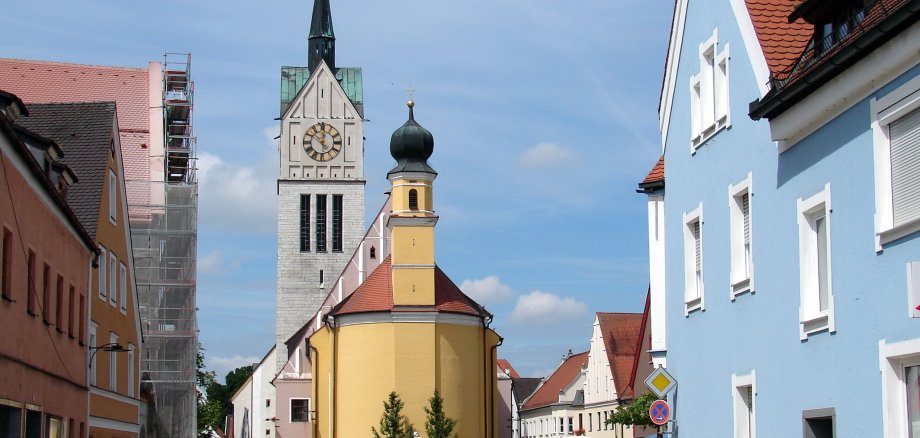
<point>818,423</point>
<point>300,409</point>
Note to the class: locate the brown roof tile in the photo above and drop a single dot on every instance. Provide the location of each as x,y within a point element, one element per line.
<point>376,295</point>
<point>782,42</point>
<point>548,393</point>
<point>503,365</point>
<point>622,333</point>
<point>656,174</point>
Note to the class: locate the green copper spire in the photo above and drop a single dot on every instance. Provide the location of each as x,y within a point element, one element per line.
<point>322,37</point>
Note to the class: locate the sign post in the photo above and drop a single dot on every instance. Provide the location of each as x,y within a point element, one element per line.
<point>660,382</point>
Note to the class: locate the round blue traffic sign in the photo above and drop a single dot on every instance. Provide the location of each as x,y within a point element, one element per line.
<point>659,412</point>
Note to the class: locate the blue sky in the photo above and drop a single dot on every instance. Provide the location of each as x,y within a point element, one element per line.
<point>544,114</point>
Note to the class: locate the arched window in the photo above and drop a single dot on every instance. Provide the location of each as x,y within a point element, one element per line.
<point>413,199</point>
<point>373,252</point>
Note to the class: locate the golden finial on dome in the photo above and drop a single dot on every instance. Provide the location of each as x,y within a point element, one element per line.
<point>410,104</point>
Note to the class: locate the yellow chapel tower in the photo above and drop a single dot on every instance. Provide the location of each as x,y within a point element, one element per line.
<point>408,328</point>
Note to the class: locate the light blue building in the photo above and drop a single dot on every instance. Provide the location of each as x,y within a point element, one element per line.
<point>785,246</point>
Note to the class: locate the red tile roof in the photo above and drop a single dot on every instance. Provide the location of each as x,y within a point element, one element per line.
<point>54,82</point>
<point>503,365</point>
<point>376,295</point>
<point>548,393</point>
<point>782,42</point>
<point>656,174</point>
<point>622,333</point>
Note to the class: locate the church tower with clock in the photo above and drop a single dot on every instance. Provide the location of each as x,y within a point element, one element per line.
<point>321,178</point>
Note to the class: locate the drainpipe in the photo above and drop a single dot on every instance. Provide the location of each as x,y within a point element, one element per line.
<point>487,389</point>
<point>314,361</point>
<point>492,387</point>
<point>330,321</point>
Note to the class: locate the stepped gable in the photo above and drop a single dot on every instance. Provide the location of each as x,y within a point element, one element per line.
<point>622,333</point>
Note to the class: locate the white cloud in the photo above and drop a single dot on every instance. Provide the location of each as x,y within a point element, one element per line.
<point>488,290</point>
<point>546,307</point>
<point>224,364</point>
<point>213,263</point>
<point>545,155</point>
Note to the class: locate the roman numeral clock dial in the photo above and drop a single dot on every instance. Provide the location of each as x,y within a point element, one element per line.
<point>322,142</point>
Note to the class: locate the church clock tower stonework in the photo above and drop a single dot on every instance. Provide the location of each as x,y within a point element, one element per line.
<point>321,178</point>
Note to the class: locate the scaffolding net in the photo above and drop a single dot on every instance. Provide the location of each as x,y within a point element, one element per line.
<point>164,236</point>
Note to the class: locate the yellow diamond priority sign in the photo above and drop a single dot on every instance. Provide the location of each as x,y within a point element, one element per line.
<point>660,382</point>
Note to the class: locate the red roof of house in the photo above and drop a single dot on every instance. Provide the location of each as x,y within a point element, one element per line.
<point>782,42</point>
<point>376,295</point>
<point>656,174</point>
<point>55,82</point>
<point>622,333</point>
<point>548,393</point>
<point>503,365</point>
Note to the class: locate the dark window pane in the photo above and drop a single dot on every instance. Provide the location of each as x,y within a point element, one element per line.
<point>337,223</point>
<point>320,223</point>
<point>304,223</point>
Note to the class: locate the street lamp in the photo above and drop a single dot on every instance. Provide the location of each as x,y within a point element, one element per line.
<point>113,346</point>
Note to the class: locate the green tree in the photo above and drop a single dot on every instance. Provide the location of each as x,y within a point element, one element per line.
<point>392,423</point>
<point>437,424</point>
<point>635,413</point>
<point>209,416</point>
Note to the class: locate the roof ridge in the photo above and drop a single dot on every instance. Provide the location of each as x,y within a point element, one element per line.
<point>76,64</point>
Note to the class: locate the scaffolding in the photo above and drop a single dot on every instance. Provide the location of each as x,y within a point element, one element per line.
<point>164,236</point>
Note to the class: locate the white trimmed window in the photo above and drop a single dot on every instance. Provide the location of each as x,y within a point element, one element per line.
<point>300,409</point>
<point>900,363</point>
<point>113,196</point>
<point>693,260</point>
<point>739,210</point>
<point>113,278</point>
<point>103,273</point>
<point>123,287</point>
<point>743,394</point>
<point>896,146</point>
<point>709,103</point>
<point>130,370</point>
<point>816,309</point>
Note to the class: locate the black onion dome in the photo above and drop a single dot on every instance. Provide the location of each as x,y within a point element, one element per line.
<point>411,145</point>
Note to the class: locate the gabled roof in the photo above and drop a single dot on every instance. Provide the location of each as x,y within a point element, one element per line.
<point>622,333</point>
<point>293,80</point>
<point>524,387</point>
<point>46,82</point>
<point>503,365</point>
<point>376,295</point>
<point>548,393</point>
<point>655,178</point>
<point>782,42</point>
<point>84,132</point>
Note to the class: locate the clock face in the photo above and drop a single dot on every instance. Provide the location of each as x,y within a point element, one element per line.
<point>322,142</point>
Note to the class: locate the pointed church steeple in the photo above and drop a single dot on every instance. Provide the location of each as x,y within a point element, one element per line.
<point>322,37</point>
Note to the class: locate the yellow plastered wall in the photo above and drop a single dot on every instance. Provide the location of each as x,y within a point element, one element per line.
<point>413,246</point>
<point>412,359</point>
<point>400,194</point>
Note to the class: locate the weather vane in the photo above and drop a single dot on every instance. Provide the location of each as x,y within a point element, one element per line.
<point>410,90</point>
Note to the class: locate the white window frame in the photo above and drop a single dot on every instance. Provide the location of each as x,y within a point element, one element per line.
<point>103,273</point>
<point>811,318</point>
<point>113,197</point>
<point>913,289</point>
<point>893,359</point>
<point>694,297</point>
<point>130,370</point>
<point>710,107</point>
<point>739,407</point>
<point>123,287</point>
<point>93,340</point>
<point>742,260</point>
<point>883,112</point>
<point>291,409</point>
<point>113,278</point>
<point>113,363</point>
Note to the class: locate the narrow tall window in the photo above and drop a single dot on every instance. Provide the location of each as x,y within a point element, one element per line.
<point>413,199</point>
<point>373,253</point>
<point>816,287</point>
<point>81,311</point>
<point>742,267</point>
<point>103,273</point>
<point>72,308</point>
<point>745,424</point>
<point>113,278</point>
<point>123,286</point>
<point>320,223</point>
<point>6,267</point>
<point>337,223</point>
<point>59,305</point>
<point>820,229</point>
<point>113,196</point>
<point>693,260</point>
<point>46,294</point>
<point>94,370</point>
<point>131,370</point>
<point>32,304</point>
<point>113,364</point>
<point>305,223</point>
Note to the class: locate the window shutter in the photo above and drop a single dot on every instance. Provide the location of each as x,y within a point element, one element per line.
<point>746,214</point>
<point>905,167</point>
<point>696,244</point>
